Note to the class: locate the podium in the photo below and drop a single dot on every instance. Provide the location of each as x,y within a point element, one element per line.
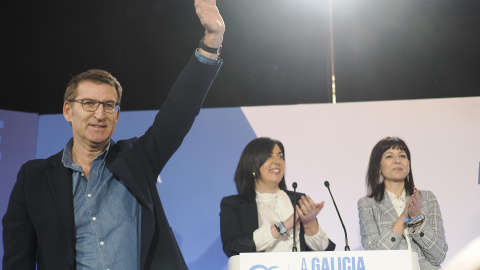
<point>327,260</point>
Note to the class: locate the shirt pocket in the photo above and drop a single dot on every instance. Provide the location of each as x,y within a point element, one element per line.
<point>121,204</point>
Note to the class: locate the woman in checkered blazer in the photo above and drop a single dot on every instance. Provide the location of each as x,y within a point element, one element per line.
<point>395,215</point>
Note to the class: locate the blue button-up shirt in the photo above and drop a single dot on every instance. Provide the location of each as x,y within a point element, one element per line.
<point>107,217</point>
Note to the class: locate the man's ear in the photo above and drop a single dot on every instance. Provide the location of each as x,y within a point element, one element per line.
<point>67,111</point>
<point>118,113</point>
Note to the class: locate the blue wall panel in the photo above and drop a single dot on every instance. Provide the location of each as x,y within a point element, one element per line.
<point>197,177</point>
<point>18,137</point>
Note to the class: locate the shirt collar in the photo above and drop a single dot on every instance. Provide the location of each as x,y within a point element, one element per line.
<point>394,197</point>
<point>267,196</point>
<point>67,158</point>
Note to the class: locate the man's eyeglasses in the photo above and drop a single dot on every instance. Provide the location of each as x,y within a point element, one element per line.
<point>91,105</point>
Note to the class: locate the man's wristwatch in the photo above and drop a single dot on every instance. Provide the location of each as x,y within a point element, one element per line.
<point>204,47</point>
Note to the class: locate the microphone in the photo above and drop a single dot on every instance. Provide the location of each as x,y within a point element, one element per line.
<point>294,185</point>
<point>347,248</point>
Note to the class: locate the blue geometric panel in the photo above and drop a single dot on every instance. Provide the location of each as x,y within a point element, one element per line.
<point>18,132</point>
<point>53,134</point>
<point>197,177</point>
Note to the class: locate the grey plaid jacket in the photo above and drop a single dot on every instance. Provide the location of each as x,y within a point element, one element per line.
<point>377,219</point>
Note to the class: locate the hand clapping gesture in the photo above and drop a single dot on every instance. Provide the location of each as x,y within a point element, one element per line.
<point>307,211</point>
<point>414,204</point>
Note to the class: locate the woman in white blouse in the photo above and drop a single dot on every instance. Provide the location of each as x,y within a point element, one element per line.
<point>395,215</point>
<point>260,218</point>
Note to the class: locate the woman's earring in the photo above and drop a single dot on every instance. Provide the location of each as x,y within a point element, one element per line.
<point>381,178</point>
<point>253,174</point>
<point>408,176</point>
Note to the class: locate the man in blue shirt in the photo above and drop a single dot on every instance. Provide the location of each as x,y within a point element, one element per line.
<point>94,205</point>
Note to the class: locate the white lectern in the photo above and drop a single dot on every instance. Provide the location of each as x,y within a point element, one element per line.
<point>327,260</point>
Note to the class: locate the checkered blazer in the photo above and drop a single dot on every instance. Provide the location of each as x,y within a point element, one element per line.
<point>377,219</point>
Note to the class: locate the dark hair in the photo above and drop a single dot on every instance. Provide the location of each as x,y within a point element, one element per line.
<point>253,157</point>
<point>377,190</point>
<point>96,76</point>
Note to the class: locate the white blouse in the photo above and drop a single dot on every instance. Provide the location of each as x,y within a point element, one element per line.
<point>276,207</point>
<point>399,205</point>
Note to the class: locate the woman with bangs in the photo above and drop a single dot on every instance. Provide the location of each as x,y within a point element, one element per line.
<point>260,218</point>
<point>395,215</point>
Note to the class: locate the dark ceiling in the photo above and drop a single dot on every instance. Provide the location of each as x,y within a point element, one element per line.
<point>275,51</point>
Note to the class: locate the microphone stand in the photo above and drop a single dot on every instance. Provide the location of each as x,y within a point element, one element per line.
<point>347,248</point>
<point>294,185</point>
